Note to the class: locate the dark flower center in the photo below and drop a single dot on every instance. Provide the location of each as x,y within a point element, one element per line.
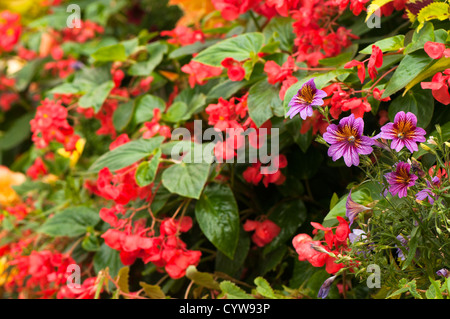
<point>307,94</point>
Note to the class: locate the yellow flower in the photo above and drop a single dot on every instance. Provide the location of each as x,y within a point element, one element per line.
<point>28,9</point>
<point>76,154</point>
<point>3,266</point>
<point>8,178</point>
<point>193,10</point>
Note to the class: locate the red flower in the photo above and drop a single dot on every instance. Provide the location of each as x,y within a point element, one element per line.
<point>153,127</point>
<point>183,35</point>
<point>283,6</point>
<point>316,253</point>
<point>358,106</point>
<point>199,73</point>
<point>7,99</point>
<point>253,174</point>
<point>375,61</point>
<point>377,94</point>
<point>37,169</point>
<point>360,67</point>
<point>10,30</point>
<point>234,68</point>
<point>87,31</point>
<point>265,231</point>
<point>436,50</point>
<point>316,121</point>
<point>231,9</point>
<point>50,123</point>
<point>278,73</point>
<point>287,83</point>
<point>439,86</point>
<point>120,140</point>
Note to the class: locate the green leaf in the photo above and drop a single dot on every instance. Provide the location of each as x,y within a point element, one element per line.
<point>438,66</point>
<point>192,48</point>
<point>146,171</point>
<point>281,30</point>
<point>264,288</point>
<point>264,102</point>
<point>153,291</point>
<point>420,102</point>
<point>240,48</point>
<point>420,38</point>
<point>407,70</point>
<point>288,216</point>
<point>412,247</point>
<point>226,89</point>
<point>122,115</point>
<point>145,68</point>
<point>115,52</point>
<point>122,279</point>
<point>71,222</point>
<point>231,266</point>
<point>107,257</point>
<point>186,179</point>
<point>90,243</point>
<point>97,96</point>
<point>24,76</point>
<point>203,279</point>
<point>435,10</point>
<point>218,217</point>
<point>127,154</point>
<point>18,132</point>
<point>334,200</point>
<point>386,45</point>
<point>434,291</point>
<point>231,291</point>
<point>294,126</point>
<point>176,113</point>
<point>145,106</point>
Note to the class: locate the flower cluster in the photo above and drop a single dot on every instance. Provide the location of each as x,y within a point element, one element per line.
<point>323,253</point>
<point>50,124</point>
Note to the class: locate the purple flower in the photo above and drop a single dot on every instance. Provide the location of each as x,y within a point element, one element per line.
<point>352,209</point>
<point>401,179</point>
<point>357,235</point>
<point>346,140</point>
<point>443,272</point>
<point>403,132</point>
<point>307,97</point>
<point>325,288</point>
<point>427,192</point>
<point>404,243</point>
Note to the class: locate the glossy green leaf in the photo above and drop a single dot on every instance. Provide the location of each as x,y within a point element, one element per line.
<point>127,154</point>
<point>145,106</point>
<point>386,45</point>
<point>240,48</point>
<point>115,52</point>
<point>407,70</point>
<point>71,222</point>
<point>186,179</point>
<point>97,96</point>
<point>264,102</point>
<point>289,217</point>
<point>218,217</point>
<point>146,171</point>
